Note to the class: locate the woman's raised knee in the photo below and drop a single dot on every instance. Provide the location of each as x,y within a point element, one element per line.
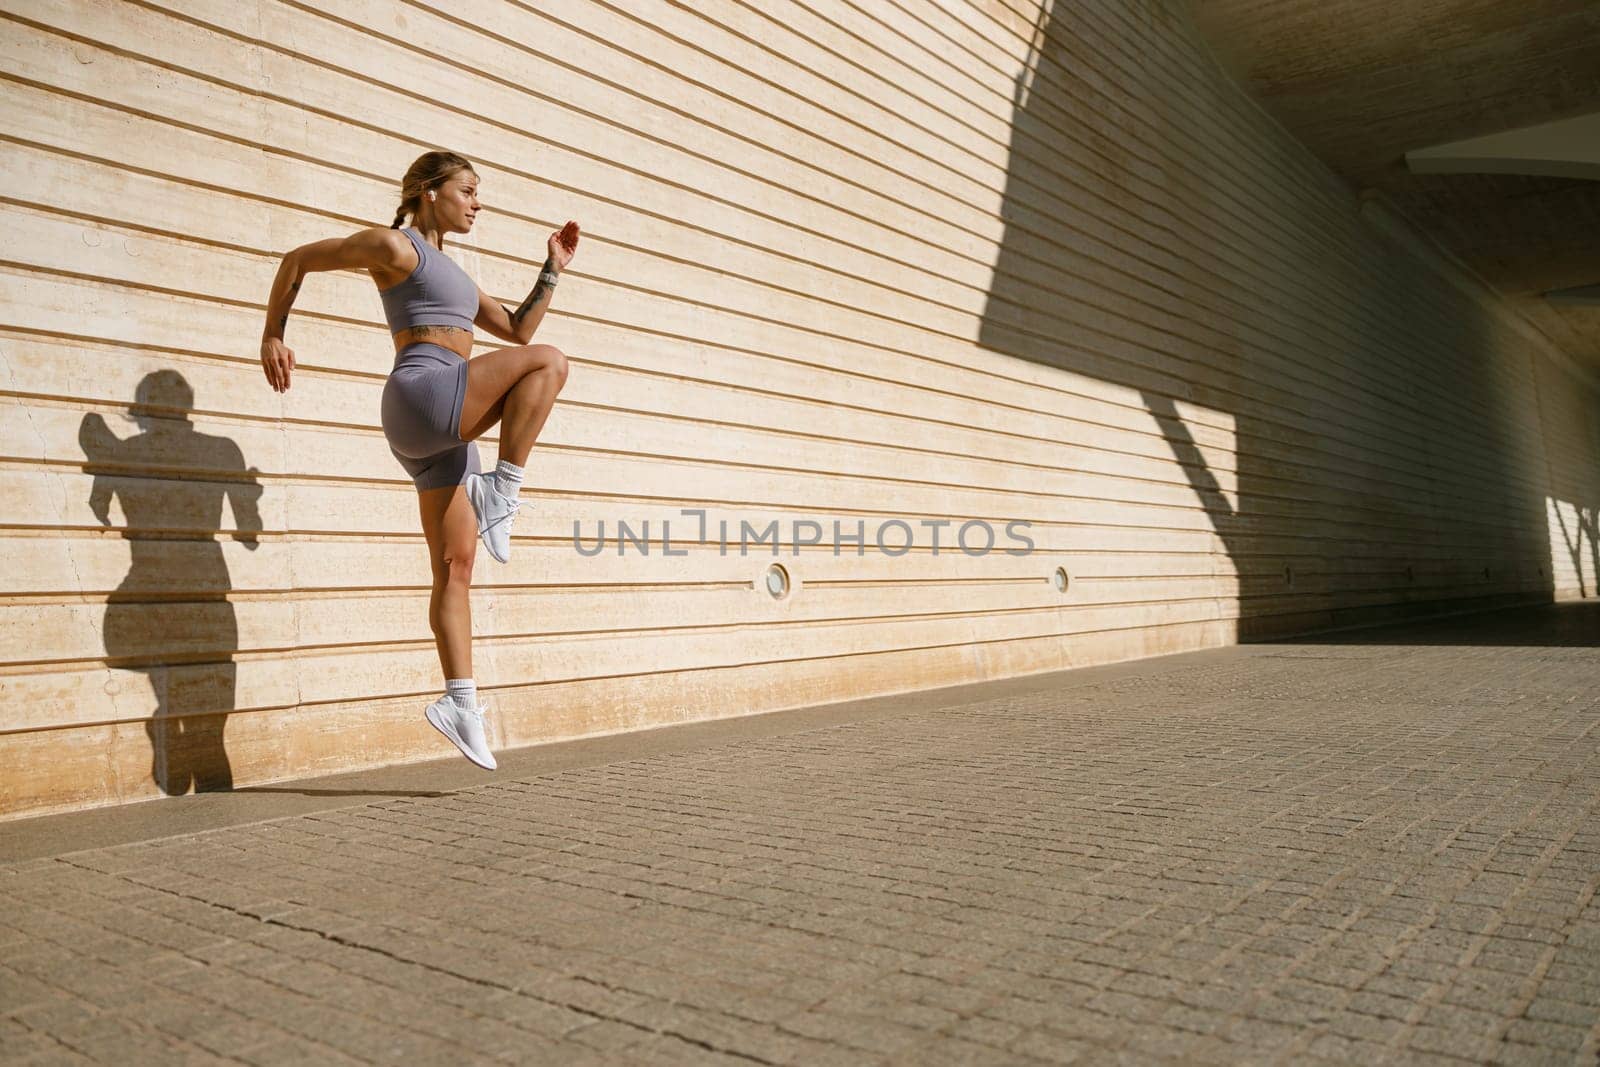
<point>546,363</point>
<point>553,361</point>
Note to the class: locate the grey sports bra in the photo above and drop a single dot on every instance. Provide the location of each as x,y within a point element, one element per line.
<point>437,293</point>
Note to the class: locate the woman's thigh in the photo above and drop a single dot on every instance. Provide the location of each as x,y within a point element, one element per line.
<point>492,375</point>
<point>449,526</point>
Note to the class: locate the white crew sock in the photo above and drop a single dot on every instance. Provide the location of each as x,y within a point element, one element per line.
<point>462,692</point>
<point>507,478</point>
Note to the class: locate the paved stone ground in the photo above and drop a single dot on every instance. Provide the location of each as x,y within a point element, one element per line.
<point>1376,848</point>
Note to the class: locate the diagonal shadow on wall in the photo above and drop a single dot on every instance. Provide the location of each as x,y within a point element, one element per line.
<point>172,617</point>
<point>1160,237</point>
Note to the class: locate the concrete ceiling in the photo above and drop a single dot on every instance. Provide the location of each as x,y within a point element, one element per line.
<point>1362,83</point>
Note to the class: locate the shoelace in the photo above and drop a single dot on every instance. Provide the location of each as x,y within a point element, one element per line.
<point>516,505</point>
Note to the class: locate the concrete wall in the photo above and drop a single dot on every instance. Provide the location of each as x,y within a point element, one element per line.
<point>912,260</point>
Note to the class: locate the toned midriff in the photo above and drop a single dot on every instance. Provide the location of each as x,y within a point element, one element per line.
<point>455,338</point>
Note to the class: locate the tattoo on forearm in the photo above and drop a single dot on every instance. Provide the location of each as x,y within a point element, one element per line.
<point>540,289</point>
<point>283,321</point>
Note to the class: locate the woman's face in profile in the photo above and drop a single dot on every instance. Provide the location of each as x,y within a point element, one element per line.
<point>456,205</point>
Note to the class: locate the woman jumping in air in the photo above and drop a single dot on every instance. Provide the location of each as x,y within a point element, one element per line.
<point>438,400</point>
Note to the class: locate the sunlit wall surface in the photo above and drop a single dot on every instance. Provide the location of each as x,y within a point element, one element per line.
<point>1574,548</point>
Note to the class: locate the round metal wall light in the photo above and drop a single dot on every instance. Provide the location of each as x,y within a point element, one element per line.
<point>1060,580</point>
<point>777,581</point>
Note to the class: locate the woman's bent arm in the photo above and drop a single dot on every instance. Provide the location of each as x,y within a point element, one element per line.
<point>374,249</point>
<point>519,325</point>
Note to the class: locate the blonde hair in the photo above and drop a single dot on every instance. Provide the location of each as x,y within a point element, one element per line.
<point>431,170</point>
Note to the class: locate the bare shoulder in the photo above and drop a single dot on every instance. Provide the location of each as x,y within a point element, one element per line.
<point>387,253</point>
<point>383,246</point>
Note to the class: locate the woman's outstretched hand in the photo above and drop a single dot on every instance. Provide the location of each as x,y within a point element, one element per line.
<point>276,362</point>
<point>563,243</point>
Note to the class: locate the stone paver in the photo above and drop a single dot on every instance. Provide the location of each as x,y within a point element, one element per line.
<point>1381,847</point>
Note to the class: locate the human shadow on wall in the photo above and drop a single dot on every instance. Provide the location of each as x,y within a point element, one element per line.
<point>1143,248</point>
<point>172,617</point>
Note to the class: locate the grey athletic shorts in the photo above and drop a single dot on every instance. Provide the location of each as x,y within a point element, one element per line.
<point>422,416</point>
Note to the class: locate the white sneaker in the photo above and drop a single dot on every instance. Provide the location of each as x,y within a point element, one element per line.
<point>464,729</point>
<point>495,512</point>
